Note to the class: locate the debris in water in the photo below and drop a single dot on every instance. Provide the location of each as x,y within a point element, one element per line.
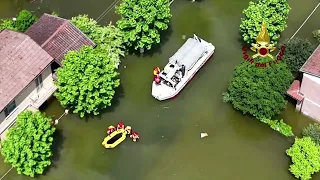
<point>125,66</point>
<point>183,36</point>
<point>204,134</point>
<point>165,107</point>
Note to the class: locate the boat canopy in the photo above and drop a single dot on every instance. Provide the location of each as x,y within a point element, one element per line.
<point>189,53</point>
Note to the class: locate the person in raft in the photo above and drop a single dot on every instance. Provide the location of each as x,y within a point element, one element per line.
<point>134,136</point>
<point>110,129</point>
<point>128,130</point>
<point>120,126</point>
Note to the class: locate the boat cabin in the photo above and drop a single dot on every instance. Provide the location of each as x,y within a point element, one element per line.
<point>183,61</point>
<point>172,74</point>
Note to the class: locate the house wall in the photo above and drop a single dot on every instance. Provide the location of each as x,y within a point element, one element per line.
<point>23,100</point>
<point>310,88</point>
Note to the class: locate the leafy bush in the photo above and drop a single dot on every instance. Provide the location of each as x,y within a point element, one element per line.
<point>87,81</point>
<point>316,34</point>
<point>279,126</point>
<point>142,21</point>
<point>305,155</point>
<point>259,91</point>
<point>23,21</point>
<point>273,12</point>
<point>108,38</point>
<point>297,53</point>
<point>312,131</point>
<point>28,143</point>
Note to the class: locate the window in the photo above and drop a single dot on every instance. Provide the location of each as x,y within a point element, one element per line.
<point>10,108</point>
<point>39,82</point>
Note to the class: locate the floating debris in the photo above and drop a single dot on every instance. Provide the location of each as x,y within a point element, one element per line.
<point>184,36</point>
<point>204,134</point>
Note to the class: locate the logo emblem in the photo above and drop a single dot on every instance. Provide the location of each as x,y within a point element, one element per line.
<point>262,47</point>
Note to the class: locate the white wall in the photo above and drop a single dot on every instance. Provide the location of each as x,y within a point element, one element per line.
<point>23,100</point>
<point>310,88</point>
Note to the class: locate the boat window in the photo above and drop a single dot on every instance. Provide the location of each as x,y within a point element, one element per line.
<point>164,73</point>
<point>171,65</point>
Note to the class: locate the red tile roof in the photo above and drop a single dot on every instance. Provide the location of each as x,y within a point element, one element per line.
<point>312,65</point>
<point>21,61</point>
<point>57,36</point>
<point>294,90</point>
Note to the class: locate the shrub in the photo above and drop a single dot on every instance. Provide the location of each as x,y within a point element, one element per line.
<point>312,131</point>
<point>279,126</point>
<point>108,38</point>
<point>273,12</point>
<point>305,156</point>
<point>28,144</point>
<point>142,21</point>
<point>297,53</point>
<point>316,34</point>
<point>259,91</point>
<point>23,21</point>
<point>87,81</point>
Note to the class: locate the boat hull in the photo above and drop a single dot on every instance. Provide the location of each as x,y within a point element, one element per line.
<point>163,92</point>
<point>117,142</point>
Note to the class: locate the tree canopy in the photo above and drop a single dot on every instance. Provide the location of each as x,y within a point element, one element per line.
<point>28,144</point>
<point>273,12</point>
<point>259,91</point>
<point>305,156</point>
<point>316,34</point>
<point>108,38</point>
<point>142,22</point>
<point>23,21</point>
<point>297,52</point>
<point>86,81</point>
<point>312,131</point>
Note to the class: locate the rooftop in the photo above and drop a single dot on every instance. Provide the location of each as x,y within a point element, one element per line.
<point>21,61</point>
<point>312,65</point>
<point>57,36</point>
<point>294,91</point>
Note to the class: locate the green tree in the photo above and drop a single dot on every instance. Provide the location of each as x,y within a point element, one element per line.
<point>23,21</point>
<point>305,156</point>
<point>28,144</point>
<point>87,81</point>
<point>312,131</point>
<point>259,91</point>
<point>108,38</point>
<point>316,34</point>
<point>279,126</point>
<point>297,52</point>
<point>142,22</point>
<point>273,12</point>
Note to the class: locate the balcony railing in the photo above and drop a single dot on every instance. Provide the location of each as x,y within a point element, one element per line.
<point>43,95</point>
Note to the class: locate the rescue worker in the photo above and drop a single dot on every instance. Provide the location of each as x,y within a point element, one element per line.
<point>110,129</point>
<point>157,79</point>
<point>156,71</point>
<point>128,130</point>
<point>134,136</point>
<point>120,126</point>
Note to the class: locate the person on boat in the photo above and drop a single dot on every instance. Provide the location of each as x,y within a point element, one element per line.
<point>157,79</point>
<point>120,125</point>
<point>156,71</point>
<point>128,130</point>
<point>134,136</point>
<point>110,129</point>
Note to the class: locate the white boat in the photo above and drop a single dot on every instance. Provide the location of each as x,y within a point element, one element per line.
<point>182,66</point>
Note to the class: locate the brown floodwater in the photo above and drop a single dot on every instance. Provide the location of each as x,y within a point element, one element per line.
<point>238,147</point>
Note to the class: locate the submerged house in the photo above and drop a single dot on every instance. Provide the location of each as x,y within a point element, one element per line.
<point>307,90</point>
<point>28,62</point>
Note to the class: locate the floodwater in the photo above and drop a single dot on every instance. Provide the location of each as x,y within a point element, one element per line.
<point>238,147</point>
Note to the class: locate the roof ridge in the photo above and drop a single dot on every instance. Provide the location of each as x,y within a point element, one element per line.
<point>301,68</point>
<point>56,32</point>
